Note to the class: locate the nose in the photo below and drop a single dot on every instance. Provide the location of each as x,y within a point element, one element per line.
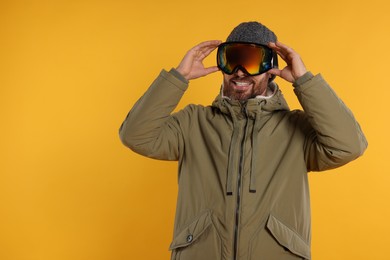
<point>240,73</point>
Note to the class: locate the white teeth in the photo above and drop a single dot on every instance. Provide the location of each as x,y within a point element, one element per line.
<point>242,84</point>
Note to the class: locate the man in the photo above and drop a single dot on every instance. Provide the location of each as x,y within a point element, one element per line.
<point>243,162</point>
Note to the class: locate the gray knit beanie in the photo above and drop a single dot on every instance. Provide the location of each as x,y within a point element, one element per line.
<point>252,32</point>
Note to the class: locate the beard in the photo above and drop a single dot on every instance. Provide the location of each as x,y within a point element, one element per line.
<point>243,88</point>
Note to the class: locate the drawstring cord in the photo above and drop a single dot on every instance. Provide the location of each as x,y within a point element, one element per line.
<point>229,182</point>
<point>255,145</point>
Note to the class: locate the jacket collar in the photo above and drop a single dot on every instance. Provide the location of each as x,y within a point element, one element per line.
<point>261,104</point>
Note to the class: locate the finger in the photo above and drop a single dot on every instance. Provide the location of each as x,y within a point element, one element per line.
<point>275,72</point>
<point>287,51</point>
<point>272,45</point>
<point>208,44</point>
<point>199,49</point>
<point>205,49</point>
<point>206,52</point>
<point>211,70</point>
<point>277,49</point>
<point>283,47</point>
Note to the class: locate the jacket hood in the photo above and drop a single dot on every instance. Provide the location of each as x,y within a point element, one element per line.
<point>261,104</point>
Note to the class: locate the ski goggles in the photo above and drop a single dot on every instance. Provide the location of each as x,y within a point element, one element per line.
<point>251,58</point>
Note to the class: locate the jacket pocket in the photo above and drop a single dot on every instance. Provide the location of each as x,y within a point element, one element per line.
<point>277,241</point>
<point>288,238</point>
<point>198,240</point>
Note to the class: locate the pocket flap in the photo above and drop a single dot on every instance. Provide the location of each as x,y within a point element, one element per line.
<point>192,232</point>
<point>288,238</point>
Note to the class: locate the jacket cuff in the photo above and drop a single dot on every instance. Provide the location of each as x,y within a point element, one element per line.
<point>174,81</point>
<point>177,74</point>
<point>303,79</point>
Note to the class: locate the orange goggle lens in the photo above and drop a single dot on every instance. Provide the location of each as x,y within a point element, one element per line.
<point>254,59</point>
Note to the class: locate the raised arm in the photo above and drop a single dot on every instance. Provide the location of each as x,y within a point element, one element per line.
<point>149,128</point>
<point>333,136</point>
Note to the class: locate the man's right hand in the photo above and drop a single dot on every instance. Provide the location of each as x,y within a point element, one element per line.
<point>191,67</point>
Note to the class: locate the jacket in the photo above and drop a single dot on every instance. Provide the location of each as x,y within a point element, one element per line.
<point>243,183</point>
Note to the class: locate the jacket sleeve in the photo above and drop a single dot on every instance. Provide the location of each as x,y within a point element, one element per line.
<point>149,129</point>
<point>333,136</point>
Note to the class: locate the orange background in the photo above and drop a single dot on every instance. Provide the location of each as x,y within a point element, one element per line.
<point>71,70</point>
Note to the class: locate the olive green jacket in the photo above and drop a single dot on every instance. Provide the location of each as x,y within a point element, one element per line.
<point>243,184</point>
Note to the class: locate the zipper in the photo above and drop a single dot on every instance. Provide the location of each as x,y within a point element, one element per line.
<point>241,168</point>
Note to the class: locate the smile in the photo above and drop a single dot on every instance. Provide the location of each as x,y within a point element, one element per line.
<point>241,85</point>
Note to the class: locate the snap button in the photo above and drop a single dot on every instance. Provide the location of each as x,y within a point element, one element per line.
<point>189,238</point>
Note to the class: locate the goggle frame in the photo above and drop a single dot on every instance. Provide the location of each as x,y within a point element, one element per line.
<point>269,61</point>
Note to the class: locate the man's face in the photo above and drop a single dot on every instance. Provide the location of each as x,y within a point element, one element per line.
<point>241,86</point>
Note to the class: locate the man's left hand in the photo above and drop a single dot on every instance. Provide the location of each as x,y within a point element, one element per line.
<point>295,67</point>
